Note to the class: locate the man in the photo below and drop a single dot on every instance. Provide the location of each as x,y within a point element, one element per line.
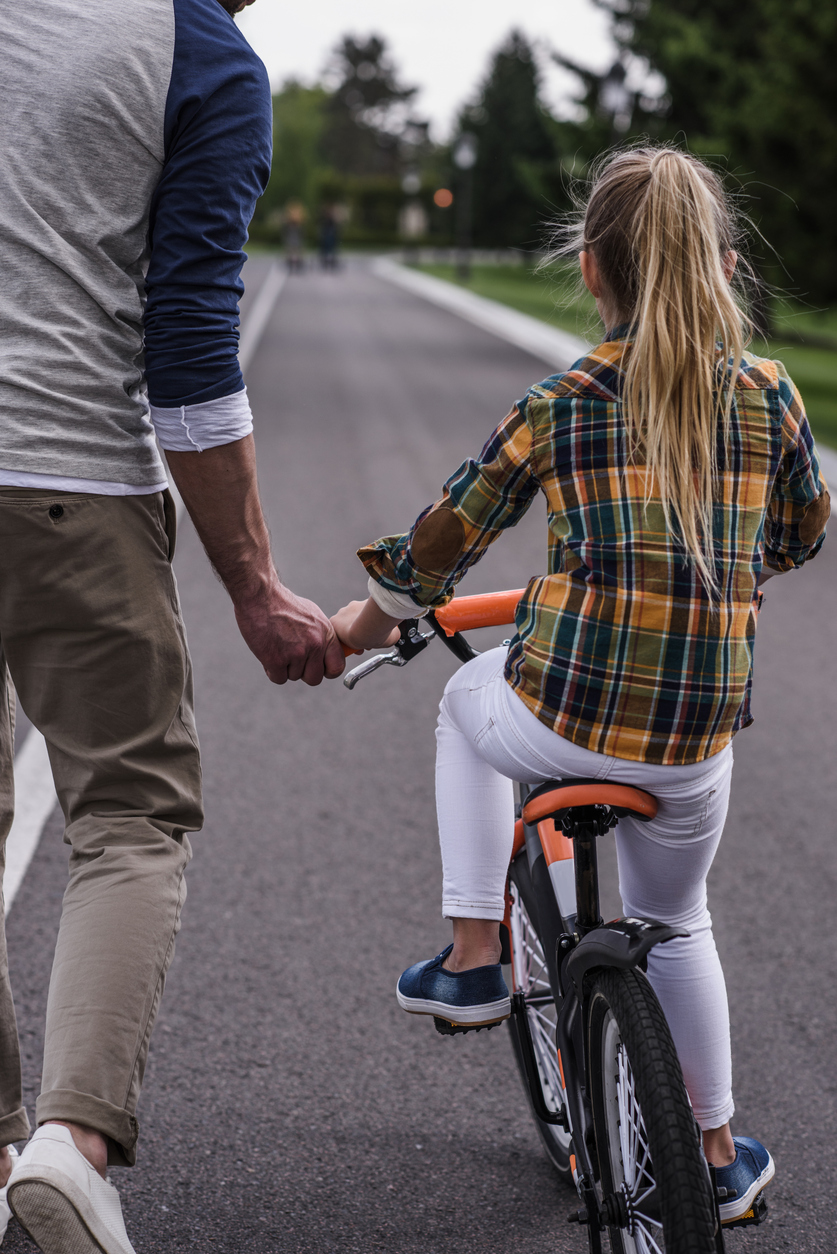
<point>135,139</point>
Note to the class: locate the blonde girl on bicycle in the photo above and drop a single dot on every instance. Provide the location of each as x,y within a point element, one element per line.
<point>679,472</point>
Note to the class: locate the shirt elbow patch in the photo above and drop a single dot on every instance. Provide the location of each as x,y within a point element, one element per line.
<point>438,541</point>
<point>816,516</point>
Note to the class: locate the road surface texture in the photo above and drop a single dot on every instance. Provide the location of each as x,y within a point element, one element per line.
<point>289,1105</point>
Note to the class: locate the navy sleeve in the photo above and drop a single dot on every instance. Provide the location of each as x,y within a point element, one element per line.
<point>217,162</point>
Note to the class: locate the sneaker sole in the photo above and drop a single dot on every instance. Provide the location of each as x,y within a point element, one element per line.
<point>58,1216</point>
<point>52,1221</point>
<point>739,1206</point>
<point>457,1016</point>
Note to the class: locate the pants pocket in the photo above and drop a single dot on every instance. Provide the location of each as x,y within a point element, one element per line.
<point>704,811</point>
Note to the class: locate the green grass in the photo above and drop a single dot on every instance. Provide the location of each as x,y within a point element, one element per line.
<point>553,297</point>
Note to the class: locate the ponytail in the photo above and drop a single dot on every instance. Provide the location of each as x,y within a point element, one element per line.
<point>659,225</point>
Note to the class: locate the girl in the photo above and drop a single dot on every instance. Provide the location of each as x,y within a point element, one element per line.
<point>679,473</point>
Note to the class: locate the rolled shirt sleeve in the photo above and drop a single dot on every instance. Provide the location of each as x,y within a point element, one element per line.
<point>800,506</point>
<point>193,428</point>
<point>486,495</point>
<point>217,163</point>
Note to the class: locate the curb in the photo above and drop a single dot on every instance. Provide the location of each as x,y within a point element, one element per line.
<point>557,348</point>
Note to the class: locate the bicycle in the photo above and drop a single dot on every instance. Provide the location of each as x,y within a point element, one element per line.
<point>592,1045</point>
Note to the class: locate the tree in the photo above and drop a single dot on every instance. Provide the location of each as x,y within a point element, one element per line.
<point>368,111</point>
<point>754,82</point>
<point>516,175</point>
<point>299,119</point>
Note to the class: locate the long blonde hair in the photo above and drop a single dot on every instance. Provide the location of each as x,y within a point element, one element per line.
<point>661,227</point>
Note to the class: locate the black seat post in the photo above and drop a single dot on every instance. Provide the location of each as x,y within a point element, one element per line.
<point>583,830</point>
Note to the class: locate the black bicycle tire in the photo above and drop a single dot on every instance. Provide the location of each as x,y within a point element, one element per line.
<point>685,1200</point>
<point>558,1154</point>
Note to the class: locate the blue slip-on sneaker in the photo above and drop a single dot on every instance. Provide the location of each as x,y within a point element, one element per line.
<point>468,999</point>
<point>752,1170</point>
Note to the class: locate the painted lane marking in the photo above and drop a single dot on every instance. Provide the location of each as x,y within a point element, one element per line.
<point>252,330</point>
<point>35,797</point>
<point>257,319</point>
<point>35,800</point>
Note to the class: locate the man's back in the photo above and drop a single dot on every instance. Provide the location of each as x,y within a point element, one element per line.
<point>98,98</point>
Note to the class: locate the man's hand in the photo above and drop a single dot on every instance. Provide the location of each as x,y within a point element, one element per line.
<point>291,637</point>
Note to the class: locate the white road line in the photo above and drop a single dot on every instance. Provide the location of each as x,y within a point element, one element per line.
<point>557,348</point>
<point>252,330</point>
<point>259,315</point>
<point>35,800</point>
<point>35,797</point>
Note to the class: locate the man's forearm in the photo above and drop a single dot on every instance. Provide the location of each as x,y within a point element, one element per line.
<point>290,636</point>
<point>220,491</point>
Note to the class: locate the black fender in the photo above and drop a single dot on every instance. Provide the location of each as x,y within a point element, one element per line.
<point>623,943</point>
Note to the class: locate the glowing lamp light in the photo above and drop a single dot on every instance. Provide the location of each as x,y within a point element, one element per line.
<point>443,198</point>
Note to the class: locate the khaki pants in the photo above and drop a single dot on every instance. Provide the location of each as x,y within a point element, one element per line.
<point>90,629</point>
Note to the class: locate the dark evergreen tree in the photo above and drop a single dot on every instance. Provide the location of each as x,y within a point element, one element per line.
<point>754,82</point>
<point>368,111</point>
<point>516,176</point>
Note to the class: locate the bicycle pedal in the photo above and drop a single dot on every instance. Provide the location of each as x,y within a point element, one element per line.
<point>755,1215</point>
<point>446,1028</point>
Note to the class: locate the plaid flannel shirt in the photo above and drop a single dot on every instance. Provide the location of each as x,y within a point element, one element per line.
<point>618,647</point>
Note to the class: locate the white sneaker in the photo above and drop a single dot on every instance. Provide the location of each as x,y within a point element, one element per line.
<point>62,1202</point>
<point>5,1213</point>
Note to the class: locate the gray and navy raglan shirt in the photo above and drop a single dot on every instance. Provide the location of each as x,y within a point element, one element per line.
<point>135,139</point>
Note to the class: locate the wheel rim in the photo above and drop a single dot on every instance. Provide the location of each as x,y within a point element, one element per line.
<point>531,978</point>
<point>632,1171</point>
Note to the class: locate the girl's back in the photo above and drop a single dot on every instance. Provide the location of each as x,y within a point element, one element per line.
<point>658,664</point>
<point>668,491</point>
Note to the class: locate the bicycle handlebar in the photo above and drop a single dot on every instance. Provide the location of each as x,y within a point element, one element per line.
<point>487,609</point>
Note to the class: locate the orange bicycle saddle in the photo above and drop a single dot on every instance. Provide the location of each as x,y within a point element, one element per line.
<point>554,798</point>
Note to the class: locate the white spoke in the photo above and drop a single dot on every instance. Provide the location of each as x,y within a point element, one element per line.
<point>649,1245</point>
<point>531,978</point>
<point>637,1169</point>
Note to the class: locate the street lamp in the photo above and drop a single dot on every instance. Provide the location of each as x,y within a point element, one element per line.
<point>465,158</point>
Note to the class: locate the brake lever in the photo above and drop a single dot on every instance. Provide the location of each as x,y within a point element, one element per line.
<point>411,642</point>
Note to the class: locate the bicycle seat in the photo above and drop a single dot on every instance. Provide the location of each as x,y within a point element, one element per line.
<point>556,797</point>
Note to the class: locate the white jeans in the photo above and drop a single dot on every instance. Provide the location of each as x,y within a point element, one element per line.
<point>486,738</point>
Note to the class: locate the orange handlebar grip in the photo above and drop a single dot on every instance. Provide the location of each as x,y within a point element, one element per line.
<point>347,652</point>
<point>488,609</point>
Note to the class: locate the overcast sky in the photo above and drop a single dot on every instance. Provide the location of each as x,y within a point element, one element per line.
<point>441,46</point>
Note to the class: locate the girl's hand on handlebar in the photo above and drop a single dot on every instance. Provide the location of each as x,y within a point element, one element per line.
<point>362,625</point>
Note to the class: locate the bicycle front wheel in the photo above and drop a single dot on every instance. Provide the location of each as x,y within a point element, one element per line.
<point>654,1178</point>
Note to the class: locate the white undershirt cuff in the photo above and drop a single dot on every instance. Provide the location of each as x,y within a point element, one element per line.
<point>396,604</point>
<point>194,428</point>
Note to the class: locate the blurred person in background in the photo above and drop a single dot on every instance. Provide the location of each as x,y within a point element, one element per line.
<point>293,234</point>
<point>329,238</point>
<point>137,140</point>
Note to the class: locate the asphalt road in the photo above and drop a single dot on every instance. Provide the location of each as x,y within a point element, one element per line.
<point>289,1105</point>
